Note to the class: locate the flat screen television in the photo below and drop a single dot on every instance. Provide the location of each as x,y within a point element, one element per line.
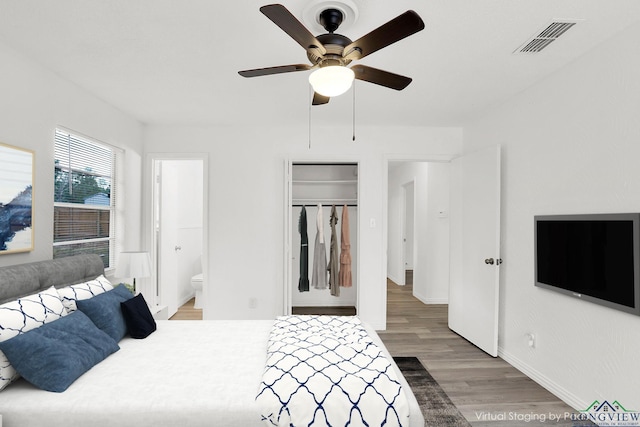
<point>594,257</point>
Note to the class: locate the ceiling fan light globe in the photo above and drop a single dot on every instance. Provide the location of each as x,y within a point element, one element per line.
<point>331,81</point>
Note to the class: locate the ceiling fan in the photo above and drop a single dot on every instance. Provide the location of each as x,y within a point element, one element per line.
<point>330,53</point>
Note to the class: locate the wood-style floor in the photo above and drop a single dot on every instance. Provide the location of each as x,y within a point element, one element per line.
<point>329,311</point>
<point>487,391</point>
<point>187,312</point>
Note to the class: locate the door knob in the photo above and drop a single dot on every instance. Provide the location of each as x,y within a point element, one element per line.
<point>178,248</point>
<point>489,261</point>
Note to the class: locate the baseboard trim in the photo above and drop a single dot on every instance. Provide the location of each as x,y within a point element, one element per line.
<point>556,389</point>
<point>398,281</point>
<point>431,300</point>
<point>185,299</point>
<point>437,301</point>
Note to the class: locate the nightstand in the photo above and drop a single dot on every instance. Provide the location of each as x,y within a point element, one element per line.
<point>160,312</point>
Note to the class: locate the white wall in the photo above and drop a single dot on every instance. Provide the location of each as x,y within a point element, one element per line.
<point>436,230</point>
<point>571,144</point>
<point>33,102</point>
<point>431,234</point>
<point>246,210</point>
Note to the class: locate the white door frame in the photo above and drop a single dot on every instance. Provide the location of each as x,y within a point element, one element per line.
<point>148,221</point>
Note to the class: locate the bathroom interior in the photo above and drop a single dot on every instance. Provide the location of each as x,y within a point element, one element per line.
<point>178,232</point>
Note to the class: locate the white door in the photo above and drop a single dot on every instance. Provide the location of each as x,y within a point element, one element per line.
<point>475,248</point>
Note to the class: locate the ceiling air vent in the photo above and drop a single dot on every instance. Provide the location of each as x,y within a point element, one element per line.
<point>545,37</point>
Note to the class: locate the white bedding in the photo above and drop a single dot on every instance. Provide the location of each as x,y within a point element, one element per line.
<point>326,370</point>
<point>187,373</point>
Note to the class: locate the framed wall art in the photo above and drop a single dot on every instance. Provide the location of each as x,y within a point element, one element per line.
<point>16,199</point>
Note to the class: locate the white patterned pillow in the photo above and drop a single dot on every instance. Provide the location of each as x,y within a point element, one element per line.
<point>23,315</point>
<point>86,290</point>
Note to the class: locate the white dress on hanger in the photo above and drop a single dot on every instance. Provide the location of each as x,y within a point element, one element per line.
<point>319,275</point>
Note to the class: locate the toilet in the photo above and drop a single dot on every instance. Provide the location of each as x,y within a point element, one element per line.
<point>196,284</point>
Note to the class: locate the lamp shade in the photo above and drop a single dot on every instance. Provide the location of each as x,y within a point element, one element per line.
<point>134,264</point>
<point>332,80</point>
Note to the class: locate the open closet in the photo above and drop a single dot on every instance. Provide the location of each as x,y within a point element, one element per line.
<point>319,285</point>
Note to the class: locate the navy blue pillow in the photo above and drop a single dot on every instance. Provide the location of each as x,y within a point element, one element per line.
<point>139,320</point>
<point>104,310</point>
<point>54,355</point>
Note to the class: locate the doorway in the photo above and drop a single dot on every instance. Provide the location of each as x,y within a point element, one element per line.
<point>417,227</point>
<point>457,268</point>
<point>178,228</point>
<point>315,192</point>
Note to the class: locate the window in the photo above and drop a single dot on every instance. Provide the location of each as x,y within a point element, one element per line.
<point>84,197</point>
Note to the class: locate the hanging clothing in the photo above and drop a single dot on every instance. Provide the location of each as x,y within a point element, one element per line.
<point>303,283</point>
<point>345,250</point>
<point>334,263</point>
<point>319,274</point>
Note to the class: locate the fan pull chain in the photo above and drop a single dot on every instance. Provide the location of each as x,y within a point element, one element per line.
<point>309,104</point>
<point>354,111</point>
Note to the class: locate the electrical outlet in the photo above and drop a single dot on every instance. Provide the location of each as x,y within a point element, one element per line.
<point>253,302</point>
<point>531,340</point>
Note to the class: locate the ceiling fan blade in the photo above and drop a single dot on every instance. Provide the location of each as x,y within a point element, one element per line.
<point>380,77</point>
<point>274,70</point>
<point>319,99</point>
<point>398,28</point>
<point>281,16</point>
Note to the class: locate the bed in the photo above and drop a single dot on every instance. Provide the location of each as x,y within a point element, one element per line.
<point>189,373</point>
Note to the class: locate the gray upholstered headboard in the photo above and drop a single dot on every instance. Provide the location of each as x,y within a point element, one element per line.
<point>25,279</point>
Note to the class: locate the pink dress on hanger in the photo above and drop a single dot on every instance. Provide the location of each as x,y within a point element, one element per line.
<point>345,250</point>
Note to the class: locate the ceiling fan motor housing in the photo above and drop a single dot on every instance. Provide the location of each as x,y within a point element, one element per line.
<point>334,45</point>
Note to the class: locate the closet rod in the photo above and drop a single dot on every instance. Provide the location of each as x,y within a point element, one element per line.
<point>331,201</point>
<point>324,205</point>
<point>324,164</point>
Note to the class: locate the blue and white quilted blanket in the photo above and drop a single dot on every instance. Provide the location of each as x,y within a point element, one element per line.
<point>327,371</point>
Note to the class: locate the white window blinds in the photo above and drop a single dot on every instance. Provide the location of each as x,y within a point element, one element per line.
<point>84,197</point>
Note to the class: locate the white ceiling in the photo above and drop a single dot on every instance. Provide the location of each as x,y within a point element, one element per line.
<point>176,61</point>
